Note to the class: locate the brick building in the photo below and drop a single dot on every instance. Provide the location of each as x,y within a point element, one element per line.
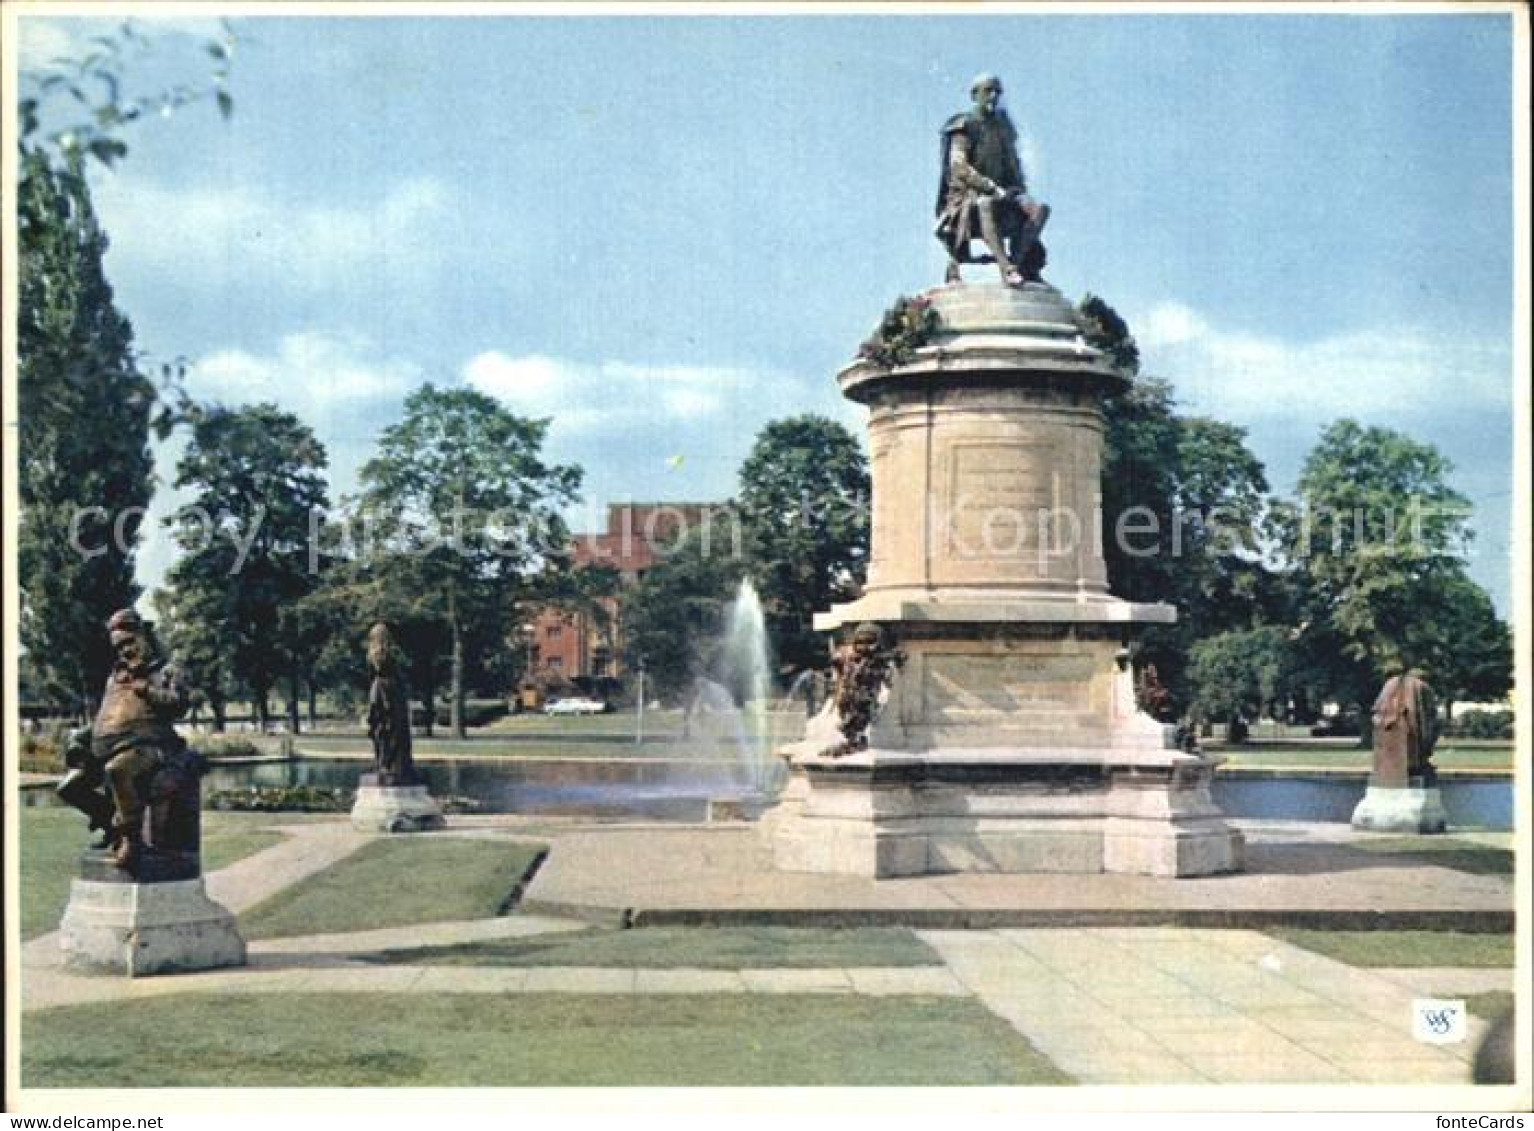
<point>567,647</point>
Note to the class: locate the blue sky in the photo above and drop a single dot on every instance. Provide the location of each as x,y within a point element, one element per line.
<point>664,232</point>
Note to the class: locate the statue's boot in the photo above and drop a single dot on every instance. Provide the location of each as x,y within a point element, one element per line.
<point>128,850</point>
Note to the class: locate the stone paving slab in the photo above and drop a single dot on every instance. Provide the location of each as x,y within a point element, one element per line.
<point>1299,874</point>
<point>1248,1011</point>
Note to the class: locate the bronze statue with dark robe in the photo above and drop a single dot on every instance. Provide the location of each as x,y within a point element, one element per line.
<point>862,669</point>
<point>983,192</point>
<point>1405,731</point>
<point>130,773</point>
<point>389,711</point>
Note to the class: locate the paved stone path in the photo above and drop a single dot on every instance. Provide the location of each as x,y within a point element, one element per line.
<point>1140,1006</point>
<point>1109,1005</point>
<point>724,873</point>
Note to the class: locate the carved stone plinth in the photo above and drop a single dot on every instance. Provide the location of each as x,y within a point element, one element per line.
<point>125,927</point>
<point>394,808</point>
<point>1412,809</point>
<point>1009,739</point>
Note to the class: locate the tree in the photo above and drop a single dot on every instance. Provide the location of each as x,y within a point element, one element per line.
<point>1198,491</point>
<point>803,508</point>
<point>1468,650</point>
<point>86,412</point>
<point>256,477</point>
<point>461,489</point>
<point>84,462</point>
<point>673,616</point>
<point>1374,546</point>
<point>1239,675</point>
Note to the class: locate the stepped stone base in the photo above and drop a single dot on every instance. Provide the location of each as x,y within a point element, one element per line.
<point>1412,809</point>
<point>395,809</point>
<point>147,928</point>
<point>886,816</point>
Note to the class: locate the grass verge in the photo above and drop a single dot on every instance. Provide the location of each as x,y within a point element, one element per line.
<point>1490,1005</point>
<point>1404,948</point>
<point>704,948</point>
<point>53,839</point>
<point>1445,852</point>
<point>398,1040</point>
<point>1350,756</point>
<point>394,883</point>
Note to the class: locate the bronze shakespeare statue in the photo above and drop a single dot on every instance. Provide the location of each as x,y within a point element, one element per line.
<point>1405,731</point>
<point>982,186</point>
<point>130,773</point>
<point>389,711</point>
<point>862,670</point>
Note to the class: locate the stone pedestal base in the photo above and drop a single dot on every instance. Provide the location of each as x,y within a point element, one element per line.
<point>1412,809</point>
<point>395,809</point>
<point>154,928</point>
<point>884,816</point>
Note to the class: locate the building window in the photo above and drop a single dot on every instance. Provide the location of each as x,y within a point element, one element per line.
<point>555,631</point>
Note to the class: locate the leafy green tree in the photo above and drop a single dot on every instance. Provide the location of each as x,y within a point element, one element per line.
<point>1468,649</point>
<point>84,462</point>
<point>673,616</point>
<point>1377,533</point>
<point>803,508</point>
<point>86,411</point>
<point>1196,491</point>
<point>461,490</point>
<point>1240,675</point>
<point>256,480</point>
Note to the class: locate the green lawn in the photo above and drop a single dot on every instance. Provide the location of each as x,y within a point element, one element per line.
<point>1403,948</point>
<point>420,1040</point>
<point>1347,755</point>
<point>1443,851</point>
<point>1490,1005</point>
<point>395,882</point>
<point>53,839</point>
<point>707,948</point>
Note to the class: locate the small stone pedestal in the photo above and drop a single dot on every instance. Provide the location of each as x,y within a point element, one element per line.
<point>394,808</point>
<point>1415,808</point>
<point>120,924</point>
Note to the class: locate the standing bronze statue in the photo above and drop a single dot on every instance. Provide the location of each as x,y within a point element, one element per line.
<point>982,186</point>
<point>130,773</point>
<point>1405,731</point>
<point>389,711</point>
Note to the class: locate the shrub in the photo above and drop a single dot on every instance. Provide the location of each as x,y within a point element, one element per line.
<point>227,746</point>
<point>1476,723</point>
<point>42,754</point>
<point>281,799</point>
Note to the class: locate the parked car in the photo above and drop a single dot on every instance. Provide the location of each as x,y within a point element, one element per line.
<point>575,705</point>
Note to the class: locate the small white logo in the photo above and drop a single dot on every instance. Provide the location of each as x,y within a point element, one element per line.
<point>1438,1022</point>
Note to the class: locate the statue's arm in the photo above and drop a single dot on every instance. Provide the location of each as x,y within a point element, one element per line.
<point>167,692</point>
<point>960,169</point>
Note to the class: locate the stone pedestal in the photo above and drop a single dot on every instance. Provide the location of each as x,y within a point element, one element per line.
<point>394,808</point>
<point>1401,809</point>
<point>1009,740</point>
<point>124,927</point>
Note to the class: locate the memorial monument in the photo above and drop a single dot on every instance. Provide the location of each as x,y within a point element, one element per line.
<point>1000,733</point>
<point>1403,792</point>
<point>140,905</point>
<point>393,798</point>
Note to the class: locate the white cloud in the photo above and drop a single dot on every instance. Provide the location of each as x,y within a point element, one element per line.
<point>313,372</point>
<point>583,397</point>
<point>225,235</point>
<point>1369,372</point>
